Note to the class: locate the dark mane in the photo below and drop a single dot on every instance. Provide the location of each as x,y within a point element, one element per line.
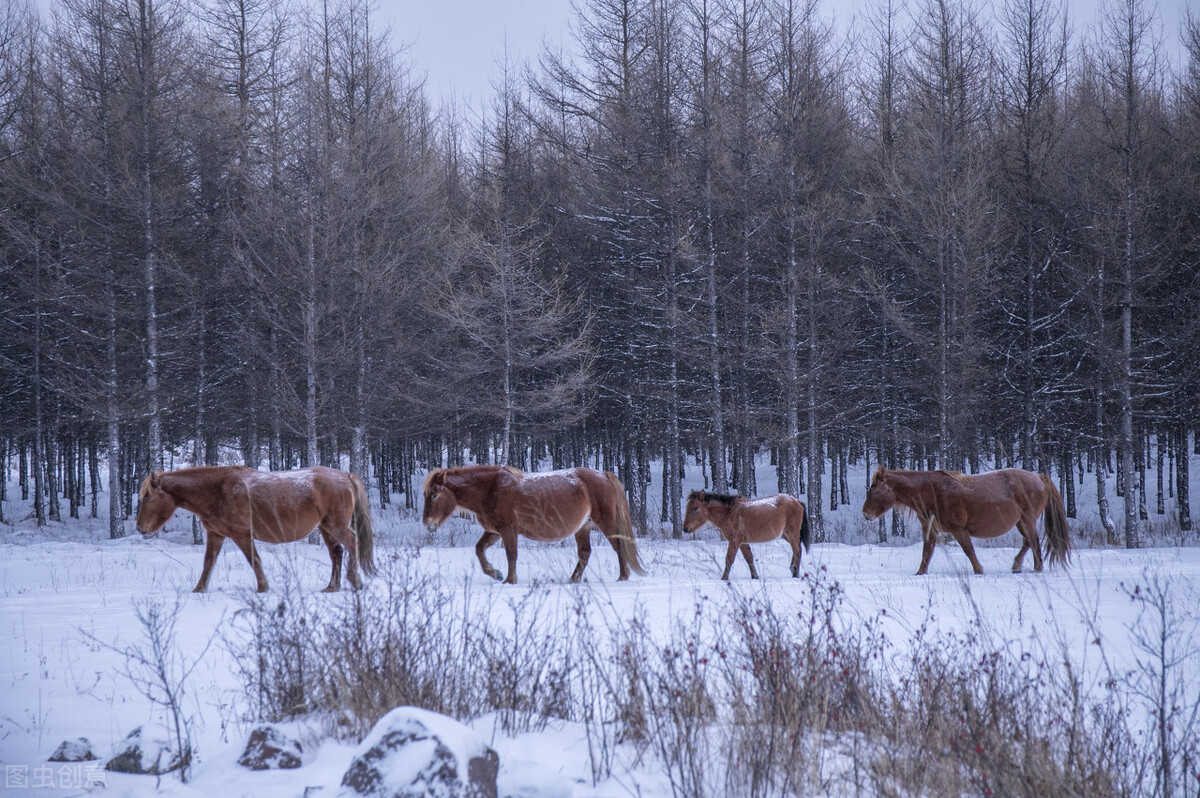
<point>722,498</point>
<point>438,475</point>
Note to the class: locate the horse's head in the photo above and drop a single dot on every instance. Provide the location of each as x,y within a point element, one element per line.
<point>155,505</point>
<point>440,501</point>
<point>880,496</point>
<point>695,514</point>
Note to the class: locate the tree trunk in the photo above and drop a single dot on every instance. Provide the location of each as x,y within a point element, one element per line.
<point>792,376</point>
<point>146,76</point>
<point>1160,505</point>
<point>39,430</point>
<point>1126,388</point>
<point>4,455</point>
<point>1182,476</point>
<point>719,479</point>
<point>199,432</point>
<point>93,476</point>
<point>310,352</point>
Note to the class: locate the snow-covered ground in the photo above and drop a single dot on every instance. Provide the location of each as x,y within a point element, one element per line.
<point>68,601</point>
<point>66,605</point>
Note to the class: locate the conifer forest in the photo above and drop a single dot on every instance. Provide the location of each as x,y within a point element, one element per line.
<point>710,233</point>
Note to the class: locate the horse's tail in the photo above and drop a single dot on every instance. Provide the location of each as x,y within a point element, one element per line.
<point>360,522</point>
<point>624,520</point>
<point>805,529</point>
<point>1054,524</point>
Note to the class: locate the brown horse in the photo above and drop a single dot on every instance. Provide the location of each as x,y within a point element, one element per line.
<point>546,507</point>
<point>743,521</point>
<point>245,505</point>
<point>982,506</point>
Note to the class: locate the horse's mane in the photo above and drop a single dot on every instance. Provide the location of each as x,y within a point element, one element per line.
<point>144,490</point>
<point>957,476</point>
<point>439,474</point>
<point>723,498</point>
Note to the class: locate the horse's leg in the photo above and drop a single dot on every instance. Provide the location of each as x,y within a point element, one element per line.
<point>1021,554</point>
<point>793,538</point>
<point>349,544</point>
<point>509,539</point>
<point>488,540</point>
<point>1028,528</point>
<point>964,541</point>
<point>749,560</point>
<point>929,534</point>
<point>730,556</point>
<point>622,563</point>
<point>335,557</point>
<point>246,544</point>
<point>583,540</point>
<point>212,547</point>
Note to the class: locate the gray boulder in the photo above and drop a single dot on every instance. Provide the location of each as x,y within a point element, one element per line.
<point>76,750</point>
<point>149,749</point>
<point>414,753</point>
<point>269,748</point>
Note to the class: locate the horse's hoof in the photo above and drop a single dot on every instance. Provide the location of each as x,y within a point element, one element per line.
<point>510,581</point>
<point>331,589</point>
<point>262,589</point>
<point>198,590</point>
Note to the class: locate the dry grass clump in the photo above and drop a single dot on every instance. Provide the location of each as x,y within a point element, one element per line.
<point>740,698</point>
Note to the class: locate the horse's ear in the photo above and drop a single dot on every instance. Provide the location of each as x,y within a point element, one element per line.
<point>155,478</point>
<point>433,479</point>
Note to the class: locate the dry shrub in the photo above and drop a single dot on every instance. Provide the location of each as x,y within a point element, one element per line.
<point>744,698</point>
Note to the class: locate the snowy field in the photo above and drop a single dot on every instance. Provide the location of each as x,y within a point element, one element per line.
<point>66,606</point>
<point>69,599</point>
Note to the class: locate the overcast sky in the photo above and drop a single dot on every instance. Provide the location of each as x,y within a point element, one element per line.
<point>457,43</point>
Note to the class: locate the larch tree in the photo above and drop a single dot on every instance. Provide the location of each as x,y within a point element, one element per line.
<point>948,213</point>
<point>1035,357</point>
<point>1129,82</point>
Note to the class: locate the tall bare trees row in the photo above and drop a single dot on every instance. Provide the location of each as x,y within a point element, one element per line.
<point>715,232</point>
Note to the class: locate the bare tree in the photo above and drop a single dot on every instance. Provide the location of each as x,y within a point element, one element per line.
<point>1032,72</point>
<point>1129,92</point>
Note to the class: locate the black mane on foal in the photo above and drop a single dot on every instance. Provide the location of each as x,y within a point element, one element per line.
<point>716,497</point>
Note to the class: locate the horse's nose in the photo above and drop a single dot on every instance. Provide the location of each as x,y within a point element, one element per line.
<point>867,516</point>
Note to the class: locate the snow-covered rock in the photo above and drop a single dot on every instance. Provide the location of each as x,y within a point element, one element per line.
<point>78,749</point>
<point>148,749</point>
<point>414,753</point>
<point>269,748</point>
